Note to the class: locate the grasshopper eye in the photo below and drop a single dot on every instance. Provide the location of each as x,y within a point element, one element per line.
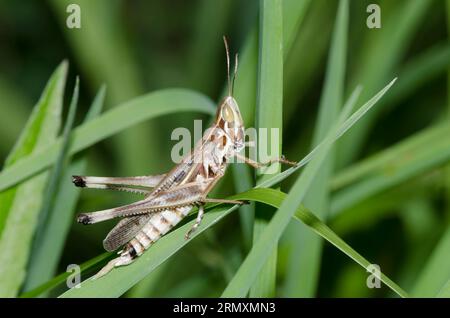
<point>227,113</point>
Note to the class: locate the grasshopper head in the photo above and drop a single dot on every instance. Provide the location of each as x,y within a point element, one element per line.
<point>229,119</point>
<point>228,116</point>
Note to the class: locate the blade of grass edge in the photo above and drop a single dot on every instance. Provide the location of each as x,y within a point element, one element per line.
<point>49,250</point>
<point>123,278</point>
<point>241,282</point>
<point>120,280</point>
<point>304,259</point>
<point>19,206</point>
<point>147,106</point>
<point>269,116</point>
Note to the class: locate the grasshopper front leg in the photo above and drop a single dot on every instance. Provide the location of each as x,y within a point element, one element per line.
<point>198,220</point>
<point>258,165</point>
<point>201,211</point>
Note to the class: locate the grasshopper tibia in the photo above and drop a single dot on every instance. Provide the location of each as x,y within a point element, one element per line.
<point>258,165</point>
<point>197,222</point>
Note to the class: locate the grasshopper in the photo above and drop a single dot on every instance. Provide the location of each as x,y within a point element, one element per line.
<point>168,198</point>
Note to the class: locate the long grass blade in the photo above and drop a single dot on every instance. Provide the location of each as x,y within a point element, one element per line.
<point>111,122</point>
<point>20,206</point>
<point>48,248</point>
<point>246,274</point>
<point>436,272</point>
<point>424,151</point>
<point>304,261</point>
<point>121,279</point>
<point>389,44</point>
<point>269,116</point>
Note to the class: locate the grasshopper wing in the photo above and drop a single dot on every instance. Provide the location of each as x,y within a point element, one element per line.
<point>124,231</point>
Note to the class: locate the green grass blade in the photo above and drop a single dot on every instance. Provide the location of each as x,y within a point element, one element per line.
<point>305,66</point>
<point>418,72</point>
<point>436,272</point>
<point>445,291</point>
<point>11,122</point>
<point>241,282</point>
<point>49,247</point>
<point>34,274</point>
<point>447,172</point>
<point>246,85</point>
<point>341,131</point>
<point>121,279</point>
<point>303,269</point>
<point>294,12</point>
<point>20,206</point>
<point>386,159</point>
<point>104,32</point>
<point>57,281</point>
<point>111,122</point>
<point>206,45</point>
<point>388,44</point>
<point>269,115</point>
<point>416,155</point>
<point>244,182</point>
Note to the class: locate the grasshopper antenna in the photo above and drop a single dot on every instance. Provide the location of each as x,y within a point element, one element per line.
<point>228,65</point>
<point>234,73</point>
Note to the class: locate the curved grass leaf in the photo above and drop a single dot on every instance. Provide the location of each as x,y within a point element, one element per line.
<point>245,87</point>
<point>269,116</point>
<point>121,279</point>
<point>103,31</point>
<point>57,281</point>
<point>20,206</point>
<point>304,262</point>
<point>389,45</point>
<point>11,122</point>
<point>418,72</point>
<point>251,266</point>
<point>445,291</point>
<point>48,248</point>
<point>148,106</point>
<point>416,155</point>
<point>436,272</point>
<point>170,243</point>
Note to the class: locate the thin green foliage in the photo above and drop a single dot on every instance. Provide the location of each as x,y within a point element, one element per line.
<point>246,274</point>
<point>48,248</point>
<point>118,281</point>
<point>20,206</point>
<point>436,273</point>
<point>34,275</point>
<point>303,271</point>
<point>391,167</point>
<point>379,57</point>
<point>111,122</point>
<point>59,280</point>
<point>269,116</point>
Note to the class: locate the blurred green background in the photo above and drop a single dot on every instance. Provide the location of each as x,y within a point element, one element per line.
<point>390,190</point>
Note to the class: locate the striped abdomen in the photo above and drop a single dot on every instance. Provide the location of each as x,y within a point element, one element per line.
<point>159,224</point>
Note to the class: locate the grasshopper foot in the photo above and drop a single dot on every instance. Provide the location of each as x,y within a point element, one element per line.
<point>78,181</point>
<point>84,219</point>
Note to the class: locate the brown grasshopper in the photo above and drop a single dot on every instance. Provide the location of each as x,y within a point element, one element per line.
<point>170,197</point>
